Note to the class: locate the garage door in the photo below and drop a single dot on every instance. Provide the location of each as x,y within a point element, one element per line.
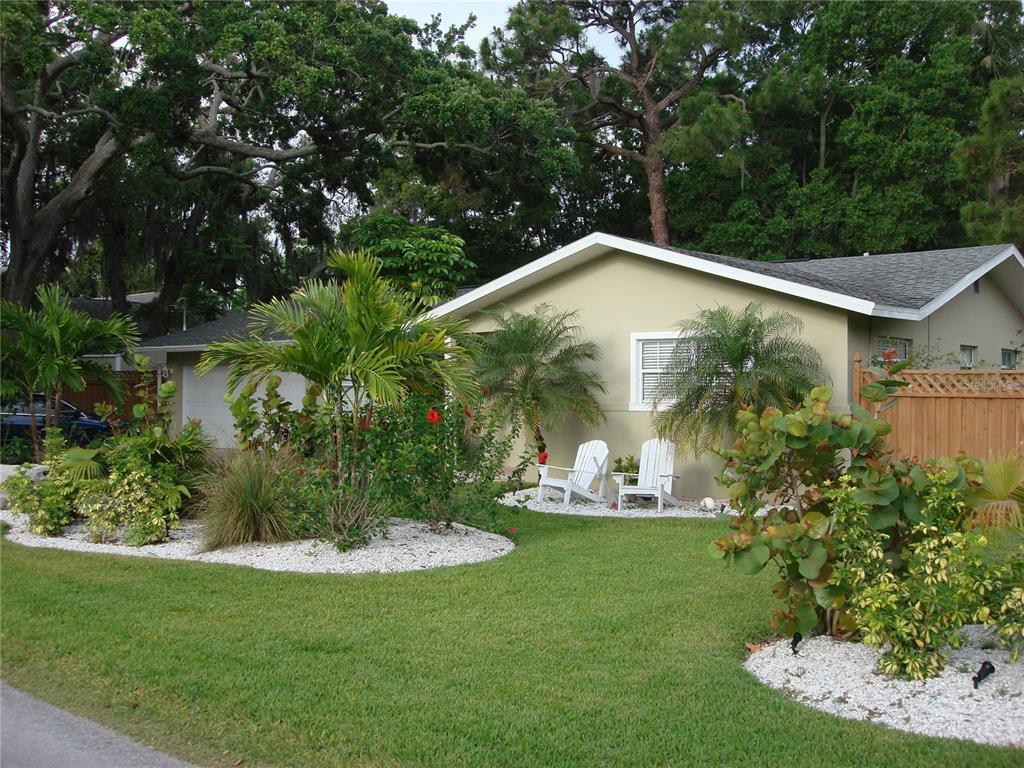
<point>203,398</point>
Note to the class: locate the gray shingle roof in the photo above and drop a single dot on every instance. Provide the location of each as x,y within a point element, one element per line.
<point>235,324</point>
<point>908,280</point>
<point>900,280</point>
<point>905,280</point>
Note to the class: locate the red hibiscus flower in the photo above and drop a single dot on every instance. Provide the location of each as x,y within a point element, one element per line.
<point>513,531</point>
<point>543,458</point>
<point>434,416</point>
<point>889,355</point>
<point>486,391</point>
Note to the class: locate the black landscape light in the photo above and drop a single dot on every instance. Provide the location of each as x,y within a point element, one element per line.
<point>797,637</point>
<point>986,669</point>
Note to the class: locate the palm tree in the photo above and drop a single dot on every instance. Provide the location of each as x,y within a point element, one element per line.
<point>534,369</point>
<point>362,341</point>
<point>729,360</point>
<point>44,349</point>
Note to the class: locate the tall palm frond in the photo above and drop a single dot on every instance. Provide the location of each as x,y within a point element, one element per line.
<point>45,349</point>
<point>728,360</point>
<point>537,371</point>
<point>357,338</point>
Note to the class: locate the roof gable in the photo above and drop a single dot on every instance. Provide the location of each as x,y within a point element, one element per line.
<point>906,285</point>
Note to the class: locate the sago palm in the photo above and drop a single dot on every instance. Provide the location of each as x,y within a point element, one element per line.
<point>362,340</point>
<point>44,350</point>
<point>728,360</point>
<point>537,371</point>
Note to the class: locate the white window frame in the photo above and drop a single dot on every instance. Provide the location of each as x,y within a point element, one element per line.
<point>972,350</point>
<point>1014,355</point>
<point>879,347</point>
<point>636,402</point>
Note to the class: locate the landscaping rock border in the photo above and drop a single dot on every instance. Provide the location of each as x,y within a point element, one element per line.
<point>840,678</point>
<point>408,546</point>
<point>527,498</point>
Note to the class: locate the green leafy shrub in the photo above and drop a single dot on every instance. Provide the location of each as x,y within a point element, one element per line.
<point>48,503</point>
<point>137,501</point>
<point>782,464</point>
<point>1004,611</point>
<point>627,464</point>
<point>435,462</point>
<point>16,450</point>
<point>917,610</point>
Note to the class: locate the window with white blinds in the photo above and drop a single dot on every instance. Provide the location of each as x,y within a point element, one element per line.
<point>655,358</point>
<point>651,360</point>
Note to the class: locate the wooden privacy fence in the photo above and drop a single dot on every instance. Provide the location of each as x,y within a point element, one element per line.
<point>943,413</point>
<point>96,392</point>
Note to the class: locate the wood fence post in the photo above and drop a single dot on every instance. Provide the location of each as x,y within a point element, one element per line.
<point>856,378</point>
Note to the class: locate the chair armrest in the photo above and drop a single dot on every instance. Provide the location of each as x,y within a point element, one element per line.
<point>552,466</point>
<point>668,474</point>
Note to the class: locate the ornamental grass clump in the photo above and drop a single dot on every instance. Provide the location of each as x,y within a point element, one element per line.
<point>250,499</point>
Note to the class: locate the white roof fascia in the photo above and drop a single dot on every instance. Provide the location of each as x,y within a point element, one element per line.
<point>607,243</point>
<point>902,313</point>
<point>179,348</point>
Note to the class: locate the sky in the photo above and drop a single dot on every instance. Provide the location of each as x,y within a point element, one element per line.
<point>489,14</point>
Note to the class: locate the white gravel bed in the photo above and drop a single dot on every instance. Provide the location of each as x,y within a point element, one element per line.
<point>408,546</point>
<point>527,498</point>
<point>840,678</point>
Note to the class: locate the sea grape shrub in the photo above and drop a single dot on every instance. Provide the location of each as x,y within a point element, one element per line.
<point>779,471</point>
<point>274,423</point>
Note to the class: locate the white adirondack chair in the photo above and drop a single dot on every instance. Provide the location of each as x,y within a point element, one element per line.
<point>657,458</point>
<point>591,464</point>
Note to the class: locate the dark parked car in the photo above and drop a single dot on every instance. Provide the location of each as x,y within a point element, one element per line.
<point>80,426</point>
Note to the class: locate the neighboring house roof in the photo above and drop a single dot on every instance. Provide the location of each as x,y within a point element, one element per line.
<point>199,337</point>
<point>902,285</point>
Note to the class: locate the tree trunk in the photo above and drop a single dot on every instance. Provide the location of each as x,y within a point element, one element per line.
<point>35,231</point>
<point>655,169</point>
<point>25,272</point>
<point>538,438</point>
<point>115,252</point>
<point>822,132</point>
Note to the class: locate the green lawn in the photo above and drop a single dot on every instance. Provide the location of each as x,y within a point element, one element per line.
<point>597,642</point>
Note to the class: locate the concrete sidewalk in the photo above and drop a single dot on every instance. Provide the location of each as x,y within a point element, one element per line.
<point>34,734</point>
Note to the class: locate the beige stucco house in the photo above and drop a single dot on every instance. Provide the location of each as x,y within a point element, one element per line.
<point>630,295</point>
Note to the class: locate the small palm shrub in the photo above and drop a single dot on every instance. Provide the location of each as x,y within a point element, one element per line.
<point>254,496</point>
<point>998,499</point>
<point>729,360</point>
<point>537,372</point>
